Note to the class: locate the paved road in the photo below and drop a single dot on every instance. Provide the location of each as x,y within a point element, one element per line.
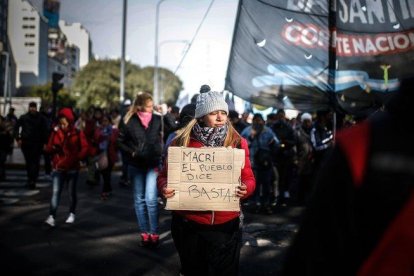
<point>104,240</point>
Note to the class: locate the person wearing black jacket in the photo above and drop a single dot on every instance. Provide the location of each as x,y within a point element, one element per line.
<point>140,140</point>
<point>31,133</point>
<point>286,159</point>
<point>359,220</point>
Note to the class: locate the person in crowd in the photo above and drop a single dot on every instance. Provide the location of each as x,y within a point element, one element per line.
<point>6,139</point>
<point>359,220</point>
<point>106,136</point>
<point>47,161</point>
<point>322,135</point>
<point>68,146</point>
<point>91,124</point>
<point>209,243</point>
<point>80,123</point>
<point>245,118</point>
<point>11,121</point>
<point>186,116</point>
<point>31,135</point>
<point>175,112</point>
<point>124,179</point>
<point>169,122</point>
<point>286,158</point>
<point>235,120</point>
<point>305,158</point>
<point>140,140</point>
<point>11,117</point>
<point>271,119</point>
<point>262,146</point>
<point>115,117</point>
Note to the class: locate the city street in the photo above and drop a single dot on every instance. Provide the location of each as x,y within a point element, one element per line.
<point>104,239</point>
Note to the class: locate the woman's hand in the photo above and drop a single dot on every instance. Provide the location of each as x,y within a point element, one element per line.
<point>241,190</point>
<point>168,192</point>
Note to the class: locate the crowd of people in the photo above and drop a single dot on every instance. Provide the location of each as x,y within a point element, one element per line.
<point>281,158</point>
<point>283,153</point>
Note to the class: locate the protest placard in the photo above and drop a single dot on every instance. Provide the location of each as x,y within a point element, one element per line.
<point>204,178</point>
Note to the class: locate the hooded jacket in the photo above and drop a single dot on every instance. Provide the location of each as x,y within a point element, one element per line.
<point>67,146</point>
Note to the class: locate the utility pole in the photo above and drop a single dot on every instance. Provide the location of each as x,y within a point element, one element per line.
<point>6,78</point>
<point>156,87</point>
<point>122,77</point>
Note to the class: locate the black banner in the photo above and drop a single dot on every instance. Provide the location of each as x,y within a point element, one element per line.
<point>281,57</point>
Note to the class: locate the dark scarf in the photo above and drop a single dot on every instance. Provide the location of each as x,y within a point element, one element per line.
<point>210,136</point>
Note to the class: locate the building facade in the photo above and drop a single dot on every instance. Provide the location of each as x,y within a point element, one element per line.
<point>28,36</point>
<point>77,35</point>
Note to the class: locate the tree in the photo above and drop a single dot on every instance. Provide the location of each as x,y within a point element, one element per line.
<point>64,97</point>
<point>98,83</point>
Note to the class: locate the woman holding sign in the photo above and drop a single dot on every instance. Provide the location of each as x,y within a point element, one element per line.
<point>209,242</point>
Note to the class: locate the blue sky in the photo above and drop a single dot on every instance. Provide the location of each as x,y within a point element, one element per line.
<point>207,59</point>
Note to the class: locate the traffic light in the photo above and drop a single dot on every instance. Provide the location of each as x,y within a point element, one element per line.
<point>56,84</point>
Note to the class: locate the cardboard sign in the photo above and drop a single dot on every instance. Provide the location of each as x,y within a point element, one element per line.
<point>204,178</point>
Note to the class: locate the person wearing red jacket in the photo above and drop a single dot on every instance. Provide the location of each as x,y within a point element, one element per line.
<point>68,146</point>
<point>209,242</point>
<point>105,135</point>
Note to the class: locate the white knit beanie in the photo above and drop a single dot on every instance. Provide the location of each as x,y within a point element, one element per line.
<point>305,116</point>
<point>209,101</point>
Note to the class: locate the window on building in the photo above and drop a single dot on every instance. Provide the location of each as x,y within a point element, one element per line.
<point>28,26</point>
<point>29,35</point>
<point>31,52</point>
<point>29,44</point>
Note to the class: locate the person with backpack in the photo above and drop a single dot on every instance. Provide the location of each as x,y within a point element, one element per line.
<point>360,219</point>
<point>209,242</point>
<point>68,146</point>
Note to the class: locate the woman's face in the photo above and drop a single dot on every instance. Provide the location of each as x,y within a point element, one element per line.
<point>148,107</point>
<point>105,121</point>
<point>63,122</point>
<point>215,119</point>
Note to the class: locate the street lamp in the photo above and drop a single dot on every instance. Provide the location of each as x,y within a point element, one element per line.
<point>161,94</point>
<point>157,16</point>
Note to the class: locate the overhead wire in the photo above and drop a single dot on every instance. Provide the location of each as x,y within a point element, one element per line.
<point>195,36</point>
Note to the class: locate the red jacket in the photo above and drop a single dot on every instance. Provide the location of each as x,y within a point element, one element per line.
<point>67,147</point>
<point>214,217</point>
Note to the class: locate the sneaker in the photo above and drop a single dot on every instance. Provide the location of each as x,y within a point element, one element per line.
<point>71,218</point>
<point>155,240</point>
<point>145,239</point>
<point>51,221</point>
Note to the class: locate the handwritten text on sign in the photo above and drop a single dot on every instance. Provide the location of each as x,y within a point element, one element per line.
<point>204,178</point>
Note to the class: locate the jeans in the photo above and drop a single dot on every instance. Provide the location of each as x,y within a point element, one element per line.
<point>144,181</point>
<point>58,181</point>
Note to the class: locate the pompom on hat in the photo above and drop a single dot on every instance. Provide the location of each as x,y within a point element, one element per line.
<point>209,101</point>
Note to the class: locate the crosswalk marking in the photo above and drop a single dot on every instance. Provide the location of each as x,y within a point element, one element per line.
<point>13,189</point>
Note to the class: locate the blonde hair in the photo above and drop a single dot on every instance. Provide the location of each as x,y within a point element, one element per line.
<point>184,135</point>
<point>139,103</point>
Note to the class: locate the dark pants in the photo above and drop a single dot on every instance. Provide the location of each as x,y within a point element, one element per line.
<point>207,249</point>
<point>106,177</point>
<point>32,153</point>
<point>264,183</point>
